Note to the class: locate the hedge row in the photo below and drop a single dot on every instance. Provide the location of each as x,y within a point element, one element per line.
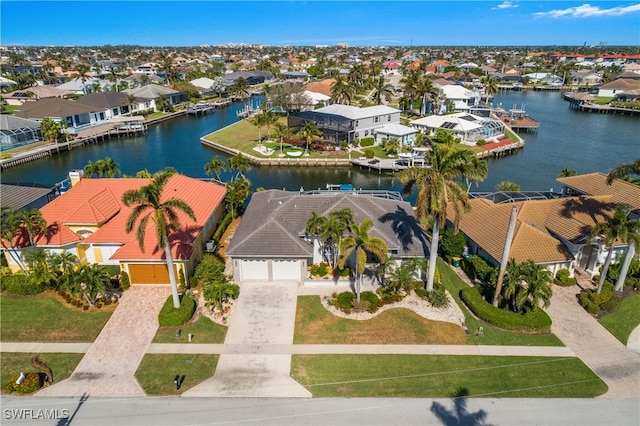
<point>170,316</point>
<point>530,322</point>
<point>21,285</point>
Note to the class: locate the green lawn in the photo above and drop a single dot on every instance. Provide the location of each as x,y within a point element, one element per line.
<point>622,322</point>
<point>492,335</point>
<point>42,318</point>
<point>445,376</point>
<point>156,372</point>
<point>61,364</point>
<point>203,329</point>
<point>315,325</point>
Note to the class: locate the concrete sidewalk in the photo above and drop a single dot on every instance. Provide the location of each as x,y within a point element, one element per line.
<point>109,365</point>
<point>264,315</point>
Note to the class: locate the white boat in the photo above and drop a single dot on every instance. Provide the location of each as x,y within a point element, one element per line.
<point>416,155</point>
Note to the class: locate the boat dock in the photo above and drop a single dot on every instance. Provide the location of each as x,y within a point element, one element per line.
<point>385,165</point>
<point>517,119</point>
<point>205,107</point>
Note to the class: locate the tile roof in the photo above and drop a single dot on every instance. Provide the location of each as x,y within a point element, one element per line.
<point>274,221</point>
<point>17,196</point>
<point>53,107</point>
<point>596,184</point>
<point>98,202</point>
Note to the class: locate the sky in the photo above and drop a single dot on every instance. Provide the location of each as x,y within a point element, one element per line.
<point>357,23</point>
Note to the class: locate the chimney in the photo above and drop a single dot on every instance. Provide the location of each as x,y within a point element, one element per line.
<point>76,176</point>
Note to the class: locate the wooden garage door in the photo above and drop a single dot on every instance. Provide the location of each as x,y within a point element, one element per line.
<point>149,274</point>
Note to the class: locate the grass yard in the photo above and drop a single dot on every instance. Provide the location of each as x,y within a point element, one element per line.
<point>492,335</point>
<point>622,322</point>
<point>43,318</point>
<point>315,325</point>
<point>156,372</point>
<point>61,364</point>
<point>203,329</point>
<point>445,376</point>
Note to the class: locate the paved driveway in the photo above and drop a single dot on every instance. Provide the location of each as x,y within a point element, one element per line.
<point>108,367</point>
<point>612,361</point>
<point>263,319</point>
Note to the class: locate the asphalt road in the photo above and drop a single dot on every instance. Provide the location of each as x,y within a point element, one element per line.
<point>321,411</point>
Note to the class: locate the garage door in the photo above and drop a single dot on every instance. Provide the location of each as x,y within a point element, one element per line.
<point>254,270</point>
<point>286,270</point>
<point>149,274</point>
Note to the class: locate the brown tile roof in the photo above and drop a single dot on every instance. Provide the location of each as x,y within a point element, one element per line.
<point>53,107</point>
<point>596,184</point>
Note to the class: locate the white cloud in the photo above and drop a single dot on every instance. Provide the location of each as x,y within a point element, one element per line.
<point>586,11</point>
<point>505,5</point>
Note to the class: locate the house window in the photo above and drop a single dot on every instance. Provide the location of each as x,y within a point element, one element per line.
<point>376,119</point>
<point>356,125</point>
<point>101,116</point>
<point>389,117</point>
<point>115,112</point>
<point>366,133</point>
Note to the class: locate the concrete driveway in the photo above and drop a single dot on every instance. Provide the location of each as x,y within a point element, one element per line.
<point>264,317</point>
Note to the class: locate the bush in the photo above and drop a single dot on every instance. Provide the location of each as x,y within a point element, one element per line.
<point>563,275</point>
<point>481,142</point>
<point>477,268</point>
<point>368,141</point>
<point>31,383</point>
<point>21,285</point>
<point>568,283</point>
<point>209,270</point>
<point>452,243</point>
<point>610,305</point>
<point>530,322</point>
<point>343,301</point>
<point>170,316</point>
<point>372,299</point>
<point>438,298</point>
<point>124,280</point>
<point>369,153</point>
<point>421,292</point>
<point>222,227</point>
<point>319,270</point>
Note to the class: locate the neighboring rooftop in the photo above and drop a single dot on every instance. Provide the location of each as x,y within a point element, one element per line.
<point>596,184</point>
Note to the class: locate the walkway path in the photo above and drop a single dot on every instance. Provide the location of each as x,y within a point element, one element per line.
<point>264,315</point>
<point>612,361</point>
<point>110,363</point>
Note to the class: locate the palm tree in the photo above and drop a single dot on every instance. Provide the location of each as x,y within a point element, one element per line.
<point>162,103</point>
<point>148,203</point>
<point>538,284</point>
<point>281,131</point>
<point>270,118</point>
<point>513,289</point>
<point>40,272</point>
<point>381,90</point>
<point>241,88</point>
<point>9,224</point>
<point>566,172</point>
<point>215,165</point>
<point>93,281</point>
<point>341,92</point>
<point>258,121</point>
<point>82,71</point>
<point>362,243</point>
<point>624,170</point>
<point>315,226</point>
<point>33,222</point>
<point>427,91</point>
<point>110,168</point>
<point>240,164</point>
<point>130,102</point>
<point>308,132</point>
<point>438,189</point>
<point>507,186</point>
<point>92,169</point>
<point>238,190</point>
<point>344,220</point>
<point>490,85</point>
<point>410,84</point>
<point>619,227</point>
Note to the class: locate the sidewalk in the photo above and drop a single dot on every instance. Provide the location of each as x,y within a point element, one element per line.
<point>110,363</point>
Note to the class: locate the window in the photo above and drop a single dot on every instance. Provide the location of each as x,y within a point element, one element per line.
<point>356,125</point>
<point>366,133</point>
<point>389,117</point>
<point>101,116</point>
<point>376,119</point>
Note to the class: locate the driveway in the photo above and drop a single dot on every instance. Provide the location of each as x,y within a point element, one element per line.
<point>263,320</point>
<point>612,361</point>
<point>108,367</point>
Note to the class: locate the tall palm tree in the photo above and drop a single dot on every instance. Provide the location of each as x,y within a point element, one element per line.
<point>315,226</point>
<point>624,170</point>
<point>9,224</point>
<point>241,88</point>
<point>438,188</point>
<point>162,103</point>
<point>308,132</point>
<point>490,85</point>
<point>427,91</point>
<point>215,166</point>
<point>619,227</point>
<point>270,118</point>
<point>281,131</point>
<point>258,121</point>
<point>110,168</point>
<point>362,243</point>
<point>33,222</point>
<point>341,92</point>
<point>381,90</point>
<point>83,71</point>
<point>538,284</point>
<point>238,190</point>
<point>148,204</point>
<point>409,85</point>
<point>92,169</point>
<point>240,164</point>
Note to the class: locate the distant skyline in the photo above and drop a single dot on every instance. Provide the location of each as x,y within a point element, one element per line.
<point>357,23</point>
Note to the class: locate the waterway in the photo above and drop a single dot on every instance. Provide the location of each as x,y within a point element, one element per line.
<point>585,142</point>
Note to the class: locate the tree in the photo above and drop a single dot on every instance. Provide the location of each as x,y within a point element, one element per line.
<point>490,85</point>
<point>130,102</point>
<point>9,224</point>
<point>381,90</point>
<point>316,226</point>
<point>38,265</point>
<point>215,166</point>
<point>50,129</point>
<point>64,263</point>
<point>83,71</point>
<point>93,281</point>
<point>538,284</point>
<point>240,89</point>
<point>624,170</point>
<point>362,244</point>
<point>409,85</point>
<point>148,204</point>
<point>110,168</point>
<point>438,189</point>
<point>619,227</point>
<point>238,190</point>
<point>281,131</point>
<point>308,132</point>
<point>507,186</point>
<point>33,222</point>
<point>566,172</point>
<point>93,169</point>
<point>401,276</point>
<point>258,121</point>
<point>341,92</point>
<point>162,103</point>
<point>240,164</point>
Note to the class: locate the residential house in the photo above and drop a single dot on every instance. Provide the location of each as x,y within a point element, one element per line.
<point>617,87</point>
<point>468,127</point>
<point>76,115</point>
<point>463,99</point>
<point>26,196</point>
<point>153,91</point>
<point>270,244</point>
<point>17,131</point>
<point>345,122</point>
<point>89,221</point>
<point>19,97</point>
<point>116,104</point>
<point>586,77</point>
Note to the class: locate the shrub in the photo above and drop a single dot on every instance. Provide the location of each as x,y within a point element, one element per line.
<point>372,299</point>
<point>209,270</point>
<point>481,142</point>
<point>31,383</point>
<point>21,285</point>
<point>319,270</point>
<point>438,298</point>
<point>568,283</point>
<point>477,268</point>
<point>563,275</point>
<point>343,301</point>
<point>124,280</point>
<point>421,292</point>
<point>368,141</point>
<point>452,243</point>
<point>222,227</point>
<point>170,316</point>
<point>181,279</point>
<point>610,305</point>
<point>369,153</point>
<point>530,322</point>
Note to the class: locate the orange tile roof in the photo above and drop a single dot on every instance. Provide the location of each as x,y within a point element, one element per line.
<point>596,184</point>
<point>322,87</point>
<point>99,203</point>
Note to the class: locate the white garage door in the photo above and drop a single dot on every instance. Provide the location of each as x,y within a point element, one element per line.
<point>255,270</point>
<point>286,270</point>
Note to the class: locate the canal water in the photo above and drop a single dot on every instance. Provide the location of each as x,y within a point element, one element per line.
<point>585,142</point>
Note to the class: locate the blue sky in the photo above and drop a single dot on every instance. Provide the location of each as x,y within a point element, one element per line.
<point>358,23</point>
